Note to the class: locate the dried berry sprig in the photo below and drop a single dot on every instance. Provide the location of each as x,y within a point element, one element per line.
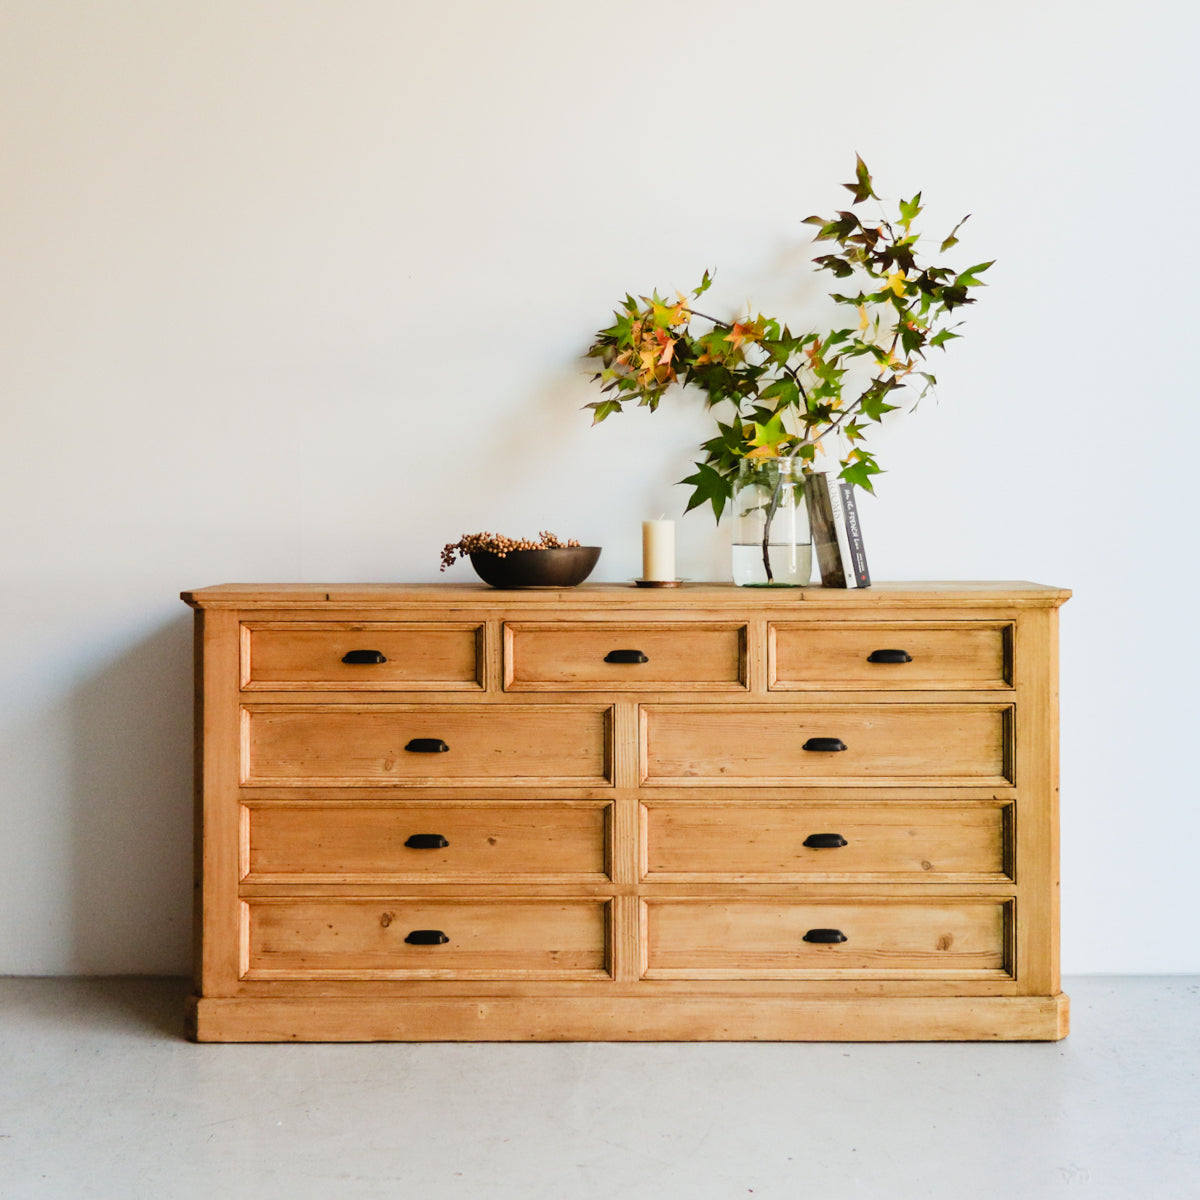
<point>499,545</point>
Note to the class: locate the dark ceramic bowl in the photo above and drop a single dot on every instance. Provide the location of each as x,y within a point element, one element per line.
<point>536,568</point>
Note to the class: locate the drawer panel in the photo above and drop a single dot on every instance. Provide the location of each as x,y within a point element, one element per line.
<point>828,655</point>
<point>902,938</point>
<point>885,745</point>
<point>282,655</point>
<point>571,656</point>
<point>348,842</point>
<point>358,745</point>
<point>946,842</point>
<point>327,938</point>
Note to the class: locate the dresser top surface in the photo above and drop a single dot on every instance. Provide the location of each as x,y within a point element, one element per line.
<point>624,595</point>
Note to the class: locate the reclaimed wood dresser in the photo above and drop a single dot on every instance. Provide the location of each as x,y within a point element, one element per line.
<point>430,812</point>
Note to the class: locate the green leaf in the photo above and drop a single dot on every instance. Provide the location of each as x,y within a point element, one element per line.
<point>859,473</point>
<point>911,339</point>
<point>861,188</point>
<point>951,240</point>
<point>953,297</point>
<point>711,487</point>
<point>784,391</point>
<point>603,408</point>
<point>967,277</point>
<point>872,404</point>
<point>705,284</point>
<point>835,263</point>
<point>771,433</point>
<point>840,229</point>
<point>940,339</point>
<point>909,210</point>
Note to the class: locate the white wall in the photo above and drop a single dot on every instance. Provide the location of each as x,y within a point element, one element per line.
<point>296,289</point>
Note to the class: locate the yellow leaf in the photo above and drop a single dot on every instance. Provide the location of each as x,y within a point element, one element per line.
<point>863,320</point>
<point>896,282</point>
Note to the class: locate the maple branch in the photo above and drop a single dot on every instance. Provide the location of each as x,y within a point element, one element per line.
<point>765,342</point>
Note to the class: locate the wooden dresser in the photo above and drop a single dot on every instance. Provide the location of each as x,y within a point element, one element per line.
<point>432,812</point>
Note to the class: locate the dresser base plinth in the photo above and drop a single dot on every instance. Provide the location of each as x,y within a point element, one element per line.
<point>625,1019</point>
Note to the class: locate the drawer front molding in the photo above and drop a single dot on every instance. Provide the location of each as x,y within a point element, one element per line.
<point>348,841</point>
<point>366,656</point>
<point>619,656</point>
<point>892,745</point>
<point>891,655</point>
<point>510,938</point>
<point>966,938</point>
<point>883,842</point>
<point>392,745</point>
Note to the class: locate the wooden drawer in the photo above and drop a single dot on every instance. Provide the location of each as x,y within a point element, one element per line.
<point>885,745</point>
<point>968,841</point>
<point>574,656</point>
<point>347,841</point>
<point>827,655</point>
<point>897,938</point>
<point>378,745</point>
<point>308,655</point>
<point>333,938</point>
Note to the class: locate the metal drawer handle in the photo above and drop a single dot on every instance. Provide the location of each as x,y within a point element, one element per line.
<point>825,841</point>
<point>625,656</point>
<point>427,841</point>
<point>427,937</point>
<point>889,656</point>
<point>825,937</point>
<point>427,746</point>
<point>824,744</point>
<point>364,656</point>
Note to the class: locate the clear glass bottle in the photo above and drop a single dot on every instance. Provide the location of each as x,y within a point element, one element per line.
<point>772,546</point>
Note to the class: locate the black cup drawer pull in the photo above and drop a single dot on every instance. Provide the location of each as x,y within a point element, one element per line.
<point>364,657</point>
<point>825,841</point>
<point>889,656</point>
<point>427,937</point>
<point>426,841</point>
<point>427,746</point>
<point>825,745</point>
<point>625,656</point>
<point>825,937</point>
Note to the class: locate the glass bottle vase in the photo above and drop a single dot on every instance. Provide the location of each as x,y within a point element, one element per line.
<point>772,546</point>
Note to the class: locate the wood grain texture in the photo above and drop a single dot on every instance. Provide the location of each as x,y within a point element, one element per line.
<point>625,856</point>
<point>308,655</point>
<point>748,746</point>
<point>348,842</point>
<point>571,656</point>
<point>830,655</point>
<point>440,597</point>
<point>511,937</point>
<point>348,745</point>
<point>650,1018</point>
<point>899,938</point>
<point>888,841</point>
<point>218,821</point>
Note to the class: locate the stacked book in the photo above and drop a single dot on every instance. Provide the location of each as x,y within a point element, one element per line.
<point>836,533</point>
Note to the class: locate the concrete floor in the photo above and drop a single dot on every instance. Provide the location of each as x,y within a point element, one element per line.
<point>101,1097</point>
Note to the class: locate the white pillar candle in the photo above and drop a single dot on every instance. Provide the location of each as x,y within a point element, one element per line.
<point>658,550</point>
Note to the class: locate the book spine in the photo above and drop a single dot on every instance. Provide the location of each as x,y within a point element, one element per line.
<point>855,553</point>
<point>824,534</point>
<point>837,505</point>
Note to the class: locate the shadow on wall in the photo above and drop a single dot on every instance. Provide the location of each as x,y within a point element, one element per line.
<point>131,805</point>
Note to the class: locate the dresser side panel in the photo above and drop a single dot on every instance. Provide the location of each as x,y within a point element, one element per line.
<point>218,818</point>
